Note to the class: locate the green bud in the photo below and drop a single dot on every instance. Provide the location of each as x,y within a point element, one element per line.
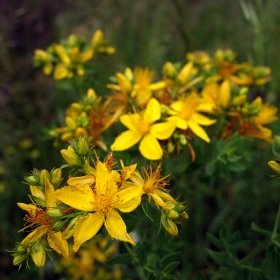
<point>171,227</point>
<point>70,157</point>
<point>21,249</point>
<point>277,140</point>
<point>182,139</point>
<point>56,177</point>
<point>83,147</point>
<point>31,180</point>
<point>184,216</point>
<point>58,226</point>
<point>44,174</point>
<point>19,259</point>
<point>173,215</point>
<point>38,255</point>
<point>179,208</point>
<point>69,230</point>
<point>54,213</point>
<point>169,70</point>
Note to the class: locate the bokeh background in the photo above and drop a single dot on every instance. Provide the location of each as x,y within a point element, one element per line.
<point>144,33</point>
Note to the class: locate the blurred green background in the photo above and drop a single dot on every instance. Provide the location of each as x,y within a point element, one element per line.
<point>144,33</point>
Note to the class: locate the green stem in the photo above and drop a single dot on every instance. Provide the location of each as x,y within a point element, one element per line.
<point>136,263</point>
<point>276,223</point>
<point>250,268</point>
<point>257,250</point>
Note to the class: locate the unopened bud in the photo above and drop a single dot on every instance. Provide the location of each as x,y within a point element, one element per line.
<point>173,215</point>
<point>69,230</point>
<point>170,147</point>
<point>19,259</point>
<point>54,213</point>
<point>275,166</point>
<point>56,177</point>
<point>58,226</point>
<point>31,180</point>
<point>239,100</point>
<point>80,132</point>
<point>277,140</point>
<point>70,157</point>
<point>171,227</point>
<point>83,147</point>
<point>169,70</point>
<point>38,255</point>
<point>44,174</point>
<point>182,139</point>
<point>184,216</point>
<point>21,249</point>
<point>179,208</point>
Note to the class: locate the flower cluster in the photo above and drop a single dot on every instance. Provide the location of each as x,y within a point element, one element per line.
<point>67,59</point>
<point>82,205</point>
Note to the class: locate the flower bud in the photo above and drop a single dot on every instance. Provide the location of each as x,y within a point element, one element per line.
<point>38,255</point>
<point>239,100</point>
<point>277,140</point>
<point>44,174</point>
<point>184,216</point>
<point>83,147</point>
<point>54,213</point>
<point>170,147</point>
<point>169,70</point>
<point>70,157</point>
<point>173,215</point>
<point>275,166</point>
<point>125,84</point>
<point>58,226</point>
<point>19,259</point>
<point>185,73</point>
<point>56,177</point>
<point>182,139</point>
<point>69,230</point>
<point>66,136</point>
<point>21,249</point>
<point>179,208</point>
<point>80,132</point>
<point>31,180</point>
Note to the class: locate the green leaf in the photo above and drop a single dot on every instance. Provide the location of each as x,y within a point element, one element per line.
<point>218,243</point>
<point>233,158</point>
<point>158,268</point>
<point>64,85</point>
<point>123,258</point>
<point>219,257</point>
<point>236,167</point>
<point>147,209</point>
<point>273,256</point>
<point>259,230</point>
<point>210,167</point>
<point>140,252</point>
<point>130,221</point>
<point>38,200</point>
<point>171,266</point>
<point>169,258</point>
<point>224,233</point>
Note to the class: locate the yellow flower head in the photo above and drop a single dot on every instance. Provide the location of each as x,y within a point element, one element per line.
<point>143,87</point>
<point>103,200</point>
<point>153,184</point>
<point>184,112</point>
<point>142,128</point>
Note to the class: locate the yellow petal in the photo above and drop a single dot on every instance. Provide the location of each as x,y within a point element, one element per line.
<point>60,71</point>
<point>36,191</point>
<point>50,197</point>
<point>201,119</point>
<point>62,54</point>
<point>105,183</point>
<point>79,197</point>
<point>27,207</point>
<point>224,94</point>
<point>58,244</point>
<point>199,131</point>
<point>35,234</point>
<point>265,131</point>
<point>129,193</point>
<point>116,227</point>
<point>87,55</point>
<point>153,111</point>
<point>130,205</point>
<point>124,83</point>
<point>126,140</point>
<point>158,85</point>
<point>130,120</point>
<point>158,200</point>
<point>163,130</point>
<point>163,194</point>
<point>181,123</point>
<point>177,106</point>
<point>150,148</point>
<point>83,180</point>
<point>185,73</point>
<point>86,228</point>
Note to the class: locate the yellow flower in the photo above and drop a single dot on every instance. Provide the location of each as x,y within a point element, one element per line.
<point>143,87</point>
<point>142,127</point>
<point>37,216</point>
<point>104,199</point>
<point>266,115</point>
<point>184,113</point>
<point>153,184</point>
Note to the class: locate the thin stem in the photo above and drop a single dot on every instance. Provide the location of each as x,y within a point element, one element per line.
<point>251,268</point>
<point>276,223</point>
<point>136,263</point>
